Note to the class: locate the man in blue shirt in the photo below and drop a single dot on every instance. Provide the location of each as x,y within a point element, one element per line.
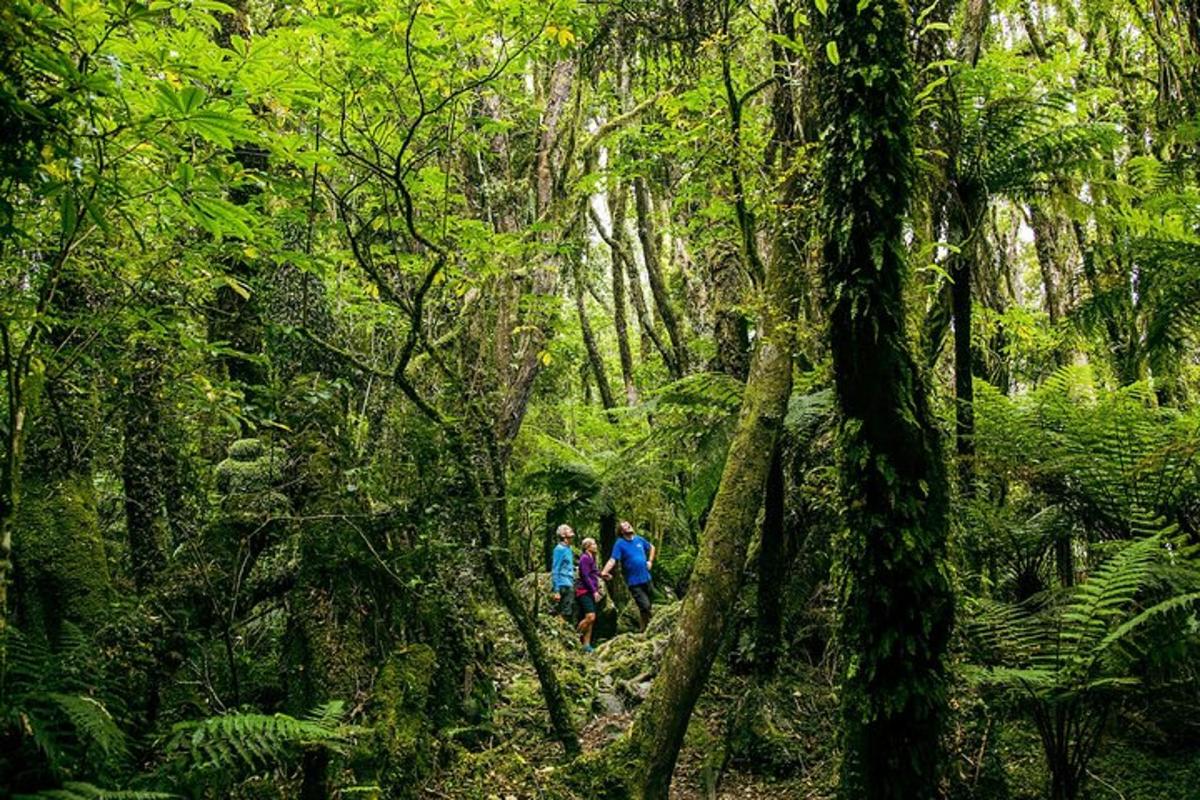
<point>637,559</point>
<point>562,573</point>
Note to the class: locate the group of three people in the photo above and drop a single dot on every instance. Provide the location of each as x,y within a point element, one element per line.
<point>631,551</point>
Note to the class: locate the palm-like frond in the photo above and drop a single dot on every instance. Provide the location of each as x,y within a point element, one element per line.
<point>248,741</point>
<point>1018,144</point>
<point>1073,646</point>
<point>77,790</point>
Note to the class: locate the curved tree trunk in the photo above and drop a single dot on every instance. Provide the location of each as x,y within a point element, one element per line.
<point>595,359</point>
<point>897,606</point>
<point>658,731</point>
<point>644,206</point>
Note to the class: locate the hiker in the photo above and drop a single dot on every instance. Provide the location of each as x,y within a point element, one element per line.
<point>562,573</point>
<point>637,560</point>
<point>587,591</point>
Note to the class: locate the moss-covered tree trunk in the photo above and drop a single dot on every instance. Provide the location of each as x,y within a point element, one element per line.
<point>658,731</point>
<point>897,606</point>
<point>142,467</point>
<point>964,218</point>
<point>772,570</point>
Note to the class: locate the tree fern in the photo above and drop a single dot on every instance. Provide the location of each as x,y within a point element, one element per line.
<point>1069,658</point>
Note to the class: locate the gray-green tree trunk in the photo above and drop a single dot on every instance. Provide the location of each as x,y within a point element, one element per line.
<point>658,731</point>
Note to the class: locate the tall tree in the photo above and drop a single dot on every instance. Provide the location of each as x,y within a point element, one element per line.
<point>897,605</point>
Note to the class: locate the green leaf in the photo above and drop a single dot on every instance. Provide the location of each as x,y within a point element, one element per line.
<point>191,98</point>
<point>167,97</point>
<point>217,127</point>
<point>831,52</point>
<point>822,6</point>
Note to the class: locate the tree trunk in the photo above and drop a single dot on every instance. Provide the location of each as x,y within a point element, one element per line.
<point>897,605</point>
<point>658,731</point>
<point>772,570</point>
<point>731,330</point>
<point>595,359</point>
<point>618,292</point>
<point>644,206</point>
<point>142,466</point>
<point>961,269</point>
<point>1048,245</point>
<point>617,243</point>
<point>493,528</point>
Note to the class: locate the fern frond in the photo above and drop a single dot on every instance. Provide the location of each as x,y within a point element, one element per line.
<point>92,722</point>
<point>76,790</point>
<point>256,741</point>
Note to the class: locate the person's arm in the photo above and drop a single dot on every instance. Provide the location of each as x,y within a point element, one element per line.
<point>606,573</point>
<point>650,560</point>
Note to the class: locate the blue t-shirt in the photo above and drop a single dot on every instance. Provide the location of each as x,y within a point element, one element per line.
<point>562,570</point>
<point>632,555</point>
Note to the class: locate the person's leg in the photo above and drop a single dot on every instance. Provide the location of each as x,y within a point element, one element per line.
<point>641,596</point>
<point>585,629</point>
<point>565,604</point>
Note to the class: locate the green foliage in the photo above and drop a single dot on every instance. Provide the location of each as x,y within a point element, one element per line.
<point>218,749</point>
<point>74,790</point>
<point>1071,656</point>
<point>53,696</point>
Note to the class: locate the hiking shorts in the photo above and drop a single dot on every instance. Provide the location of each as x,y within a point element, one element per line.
<point>586,603</point>
<point>642,593</point>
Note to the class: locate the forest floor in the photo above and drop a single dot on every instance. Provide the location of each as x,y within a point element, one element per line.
<point>523,762</point>
<point>786,731</point>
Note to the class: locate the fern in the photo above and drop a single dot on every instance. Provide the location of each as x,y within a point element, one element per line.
<point>75,790</point>
<point>250,741</point>
<point>52,698</point>
<point>1071,657</point>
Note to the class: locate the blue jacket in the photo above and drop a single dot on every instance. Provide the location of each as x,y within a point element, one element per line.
<point>562,569</point>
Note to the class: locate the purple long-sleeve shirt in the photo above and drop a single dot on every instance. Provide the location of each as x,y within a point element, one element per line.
<point>589,575</point>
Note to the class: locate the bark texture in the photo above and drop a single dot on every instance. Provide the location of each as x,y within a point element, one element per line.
<point>897,606</point>
<point>658,731</point>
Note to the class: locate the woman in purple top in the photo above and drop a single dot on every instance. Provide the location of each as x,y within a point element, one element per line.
<point>587,591</point>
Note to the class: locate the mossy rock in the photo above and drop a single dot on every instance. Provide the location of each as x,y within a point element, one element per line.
<point>62,572</point>
<point>627,657</point>
<point>243,477</point>
<point>246,449</point>
<point>401,752</point>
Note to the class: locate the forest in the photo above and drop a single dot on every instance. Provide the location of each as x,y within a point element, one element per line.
<point>613,399</point>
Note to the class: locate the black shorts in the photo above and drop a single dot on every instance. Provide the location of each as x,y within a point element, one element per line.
<point>586,603</point>
<point>642,593</point>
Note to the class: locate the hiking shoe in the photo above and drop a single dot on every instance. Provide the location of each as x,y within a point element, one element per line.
<point>587,648</point>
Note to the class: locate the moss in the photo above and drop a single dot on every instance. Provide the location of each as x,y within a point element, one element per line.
<point>401,751</point>
<point>240,477</point>
<point>62,572</point>
<point>503,772</point>
<point>246,449</point>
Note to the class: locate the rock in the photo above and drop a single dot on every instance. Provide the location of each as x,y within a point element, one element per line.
<point>609,703</point>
